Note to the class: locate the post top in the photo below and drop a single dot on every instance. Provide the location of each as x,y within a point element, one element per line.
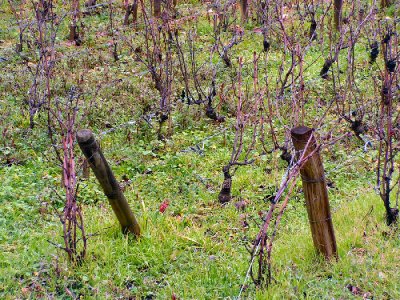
<point>85,136</point>
<point>300,130</point>
<point>301,135</point>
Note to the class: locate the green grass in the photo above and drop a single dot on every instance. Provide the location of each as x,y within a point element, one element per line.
<point>367,257</point>
<point>194,249</point>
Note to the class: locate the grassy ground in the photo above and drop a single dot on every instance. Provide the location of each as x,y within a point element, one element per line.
<point>195,250</point>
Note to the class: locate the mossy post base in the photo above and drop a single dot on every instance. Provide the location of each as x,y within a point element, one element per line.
<point>315,193</point>
<point>104,175</point>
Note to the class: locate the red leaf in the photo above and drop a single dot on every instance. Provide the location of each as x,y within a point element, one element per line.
<point>163,206</point>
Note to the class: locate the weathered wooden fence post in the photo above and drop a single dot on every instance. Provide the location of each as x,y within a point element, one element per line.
<point>156,8</point>
<point>337,11</point>
<point>104,175</point>
<point>315,193</point>
<point>244,9</point>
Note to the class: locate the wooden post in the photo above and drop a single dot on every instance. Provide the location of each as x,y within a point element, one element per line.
<point>156,8</point>
<point>104,175</point>
<point>315,193</point>
<point>244,8</point>
<point>73,28</point>
<point>337,11</point>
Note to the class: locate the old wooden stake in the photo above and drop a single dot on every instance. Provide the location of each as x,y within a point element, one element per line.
<point>337,11</point>
<point>104,175</point>
<point>156,8</point>
<point>315,193</point>
<point>244,9</point>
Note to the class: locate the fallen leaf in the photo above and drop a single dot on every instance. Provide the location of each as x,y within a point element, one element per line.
<point>164,206</point>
